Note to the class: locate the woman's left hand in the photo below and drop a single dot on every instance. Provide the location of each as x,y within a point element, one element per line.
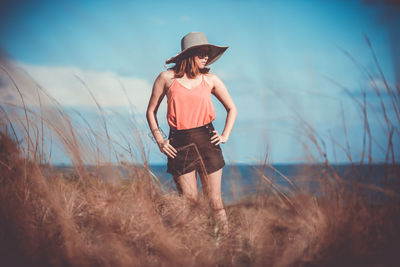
<point>217,138</point>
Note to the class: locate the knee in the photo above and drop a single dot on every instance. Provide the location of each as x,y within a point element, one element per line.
<point>216,202</point>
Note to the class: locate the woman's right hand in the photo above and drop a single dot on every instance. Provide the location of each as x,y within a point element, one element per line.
<point>167,148</point>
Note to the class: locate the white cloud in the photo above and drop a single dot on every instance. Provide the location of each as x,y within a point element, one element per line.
<point>65,85</point>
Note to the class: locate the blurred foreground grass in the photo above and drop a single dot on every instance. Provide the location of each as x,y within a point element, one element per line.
<point>58,221</point>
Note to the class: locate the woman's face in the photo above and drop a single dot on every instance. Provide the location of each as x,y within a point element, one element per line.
<point>201,57</point>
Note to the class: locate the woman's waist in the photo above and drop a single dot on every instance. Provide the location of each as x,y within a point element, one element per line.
<point>207,128</point>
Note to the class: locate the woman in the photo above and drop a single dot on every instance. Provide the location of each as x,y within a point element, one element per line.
<point>193,144</point>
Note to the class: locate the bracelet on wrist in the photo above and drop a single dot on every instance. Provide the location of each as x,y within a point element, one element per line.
<point>151,134</point>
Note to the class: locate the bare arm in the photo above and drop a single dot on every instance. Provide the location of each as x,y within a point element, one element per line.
<point>224,97</point>
<point>156,98</point>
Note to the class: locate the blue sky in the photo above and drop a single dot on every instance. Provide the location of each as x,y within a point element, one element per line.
<point>284,58</point>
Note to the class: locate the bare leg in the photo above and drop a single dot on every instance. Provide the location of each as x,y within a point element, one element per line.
<point>186,184</point>
<point>212,188</point>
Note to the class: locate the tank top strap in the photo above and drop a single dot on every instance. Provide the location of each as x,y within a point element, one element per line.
<point>171,85</point>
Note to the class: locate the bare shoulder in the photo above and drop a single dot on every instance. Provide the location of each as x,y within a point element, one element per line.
<point>164,80</point>
<point>213,79</point>
<point>211,76</point>
<point>166,76</point>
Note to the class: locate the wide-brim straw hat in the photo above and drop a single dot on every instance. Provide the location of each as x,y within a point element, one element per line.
<point>195,40</point>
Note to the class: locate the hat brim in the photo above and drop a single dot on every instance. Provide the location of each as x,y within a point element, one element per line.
<point>214,53</point>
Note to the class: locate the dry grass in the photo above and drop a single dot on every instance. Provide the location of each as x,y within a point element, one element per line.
<point>93,217</point>
<point>49,220</point>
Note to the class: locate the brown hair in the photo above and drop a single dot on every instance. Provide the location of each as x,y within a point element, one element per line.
<point>188,65</point>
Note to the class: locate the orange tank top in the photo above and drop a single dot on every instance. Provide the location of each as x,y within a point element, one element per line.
<point>189,108</point>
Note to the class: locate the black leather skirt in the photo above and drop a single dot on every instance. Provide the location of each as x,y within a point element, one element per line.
<point>195,151</point>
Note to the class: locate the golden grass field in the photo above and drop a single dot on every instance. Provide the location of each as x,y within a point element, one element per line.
<point>49,218</point>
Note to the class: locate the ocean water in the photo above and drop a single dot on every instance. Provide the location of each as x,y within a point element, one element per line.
<point>241,181</point>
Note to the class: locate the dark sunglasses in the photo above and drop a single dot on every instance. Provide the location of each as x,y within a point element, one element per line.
<point>202,54</point>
